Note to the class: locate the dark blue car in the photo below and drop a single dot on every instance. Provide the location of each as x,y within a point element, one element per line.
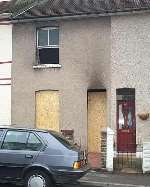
<point>38,158</point>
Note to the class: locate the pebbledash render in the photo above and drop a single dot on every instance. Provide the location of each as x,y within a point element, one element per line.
<point>84,58</point>
<point>101,78</point>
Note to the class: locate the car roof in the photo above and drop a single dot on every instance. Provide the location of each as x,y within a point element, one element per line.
<point>14,127</point>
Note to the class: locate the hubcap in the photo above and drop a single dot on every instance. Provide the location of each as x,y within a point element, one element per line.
<point>36,181</point>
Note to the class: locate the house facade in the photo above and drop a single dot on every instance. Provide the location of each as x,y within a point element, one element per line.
<point>82,73</point>
<point>5,65</point>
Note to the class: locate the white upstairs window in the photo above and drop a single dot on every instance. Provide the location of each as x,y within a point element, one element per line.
<point>48,45</point>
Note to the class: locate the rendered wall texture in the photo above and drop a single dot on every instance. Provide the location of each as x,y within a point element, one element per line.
<point>95,53</point>
<point>130,67</point>
<point>85,60</point>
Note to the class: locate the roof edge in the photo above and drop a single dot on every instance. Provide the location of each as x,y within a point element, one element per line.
<point>80,16</point>
<point>5,16</point>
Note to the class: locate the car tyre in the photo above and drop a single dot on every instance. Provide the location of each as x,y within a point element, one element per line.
<point>37,178</point>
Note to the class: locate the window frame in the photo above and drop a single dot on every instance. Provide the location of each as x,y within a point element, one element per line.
<point>38,47</point>
<point>30,132</point>
<point>47,29</point>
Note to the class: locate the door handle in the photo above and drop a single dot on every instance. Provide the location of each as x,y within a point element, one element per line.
<point>29,156</point>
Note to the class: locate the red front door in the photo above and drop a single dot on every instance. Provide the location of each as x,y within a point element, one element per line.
<point>126,126</point>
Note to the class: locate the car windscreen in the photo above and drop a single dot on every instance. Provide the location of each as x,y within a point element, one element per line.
<point>63,140</point>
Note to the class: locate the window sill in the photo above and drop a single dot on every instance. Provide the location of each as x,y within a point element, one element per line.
<point>45,66</point>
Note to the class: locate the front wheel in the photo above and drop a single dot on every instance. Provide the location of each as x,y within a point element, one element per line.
<point>37,178</point>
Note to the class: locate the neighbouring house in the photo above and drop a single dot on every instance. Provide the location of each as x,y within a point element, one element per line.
<point>5,64</point>
<point>80,66</point>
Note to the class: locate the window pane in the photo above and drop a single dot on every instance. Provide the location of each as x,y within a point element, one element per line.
<point>63,140</point>
<point>15,140</point>
<point>49,56</point>
<point>54,37</point>
<point>42,37</point>
<point>127,94</point>
<point>34,143</point>
<point>1,133</point>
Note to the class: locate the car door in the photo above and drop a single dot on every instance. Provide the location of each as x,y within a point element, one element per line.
<point>17,152</point>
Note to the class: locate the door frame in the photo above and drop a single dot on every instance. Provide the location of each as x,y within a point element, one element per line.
<point>126,130</point>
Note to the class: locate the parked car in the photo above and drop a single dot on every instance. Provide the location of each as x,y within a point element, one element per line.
<point>39,158</point>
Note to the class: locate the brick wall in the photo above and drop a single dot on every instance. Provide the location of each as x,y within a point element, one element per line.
<point>103,149</point>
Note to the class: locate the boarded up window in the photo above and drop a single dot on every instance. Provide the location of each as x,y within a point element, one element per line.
<point>47,110</point>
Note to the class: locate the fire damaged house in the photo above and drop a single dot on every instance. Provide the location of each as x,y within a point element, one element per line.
<point>80,66</point>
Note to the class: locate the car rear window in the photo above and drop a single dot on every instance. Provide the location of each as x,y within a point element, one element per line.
<point>63,140</point>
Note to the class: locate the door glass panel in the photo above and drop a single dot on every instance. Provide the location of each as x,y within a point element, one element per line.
<point>121,117</point>
<point>129,121</point>
<point>34,144</point>
<point>126,115</point>
<point>15,140</point>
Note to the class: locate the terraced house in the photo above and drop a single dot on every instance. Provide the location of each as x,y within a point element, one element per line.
<point>80,66</point>
<point>5,64</point>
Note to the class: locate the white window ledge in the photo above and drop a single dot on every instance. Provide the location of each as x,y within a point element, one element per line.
<point>44,66</point>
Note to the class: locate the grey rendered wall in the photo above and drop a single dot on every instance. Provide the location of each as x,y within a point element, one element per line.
<point>85,59</point>
<point>130,66</point>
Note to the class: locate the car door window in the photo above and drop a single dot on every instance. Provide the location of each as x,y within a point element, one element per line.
<point>1,133</point>
<point>34,144</point>
<point>15,140</point>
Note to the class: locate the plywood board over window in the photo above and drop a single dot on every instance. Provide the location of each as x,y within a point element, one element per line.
<point>96,120</point>
<point>47,110</point>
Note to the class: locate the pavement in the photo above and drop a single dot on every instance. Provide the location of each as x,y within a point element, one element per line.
<point>105,179</point>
